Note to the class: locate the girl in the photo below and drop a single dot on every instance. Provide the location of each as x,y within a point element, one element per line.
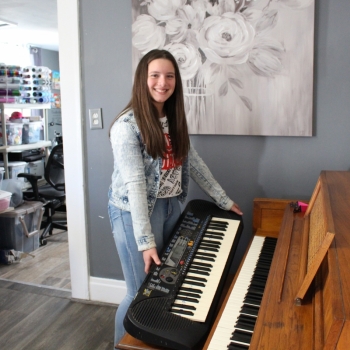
<point>153,160</point>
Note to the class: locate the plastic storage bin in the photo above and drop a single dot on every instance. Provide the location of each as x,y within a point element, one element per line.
<point>15,168</point>
<point>2,172</point>
<point>36,168</point>
<point>31,132</point>
<point>5,198</point>
<point>13,133</point>
<point>20,228</point>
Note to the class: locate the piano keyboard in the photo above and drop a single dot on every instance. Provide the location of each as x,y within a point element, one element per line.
<point>176,304</point>
<point>199,286</point>
<point>236,324</point>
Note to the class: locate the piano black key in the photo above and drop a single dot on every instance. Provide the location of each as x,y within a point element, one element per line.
<point>194,278</point>
<point>197,263</point>
<point>205,254</point>
<point>208,248</point>
<point>184,306</point>
<point>182,312</point>
<point>250,310</point>
<point>253,299</point>
<point>212,237</point>
<point>199,272</point>
<point>198,266</point>
<point>200,257</point>
<point>245,322</point>
<point>215,234</point>
<point>242,336</point>
<point>193,290</point>
<point>191,295</point>
<point>258,284</point>
<point>192,300</point>
<point>211,243</point>
<point>218,223</point>
<point>193,283</point>
<point>216,228</point>
<point>255,290</point>
<point>237,347</point>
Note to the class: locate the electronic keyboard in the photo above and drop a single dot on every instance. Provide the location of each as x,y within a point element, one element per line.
<point>176,304</point>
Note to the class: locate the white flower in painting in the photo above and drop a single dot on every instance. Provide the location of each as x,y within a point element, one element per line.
<point>227,38</point>
<point>163,10</point>
<point>185,26</point>
<point>265,58</point>
<point>219,7</point>
<point>187,58</point>
<point>297,4</point>
<point>200,7</point>
<point>147,35</point>
<point>261,20</point>
<point>252,15</point>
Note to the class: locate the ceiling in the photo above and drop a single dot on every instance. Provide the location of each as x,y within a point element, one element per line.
<point>37,23</point>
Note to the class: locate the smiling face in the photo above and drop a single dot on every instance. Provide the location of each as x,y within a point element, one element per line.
<point>161,82</point>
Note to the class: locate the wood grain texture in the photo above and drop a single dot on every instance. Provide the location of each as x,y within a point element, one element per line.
<point>322,321</point>
<point>41,318</point>
<point>36,310</point>
<point>268,215</point>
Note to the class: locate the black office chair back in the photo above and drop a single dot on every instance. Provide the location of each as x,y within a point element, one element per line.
<point>54,170</point>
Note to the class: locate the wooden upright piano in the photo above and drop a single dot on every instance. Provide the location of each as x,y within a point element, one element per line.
<point>306,301</point>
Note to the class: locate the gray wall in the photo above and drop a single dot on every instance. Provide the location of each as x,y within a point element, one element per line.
<point>247,167</point>
<point>49,58</point>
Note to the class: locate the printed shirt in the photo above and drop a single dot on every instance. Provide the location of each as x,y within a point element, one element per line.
<point>170,177</point>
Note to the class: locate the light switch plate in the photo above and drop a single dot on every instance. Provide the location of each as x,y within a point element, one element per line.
<point>95,116</point>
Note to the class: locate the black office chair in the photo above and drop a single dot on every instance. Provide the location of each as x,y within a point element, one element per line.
<point>51,194</point>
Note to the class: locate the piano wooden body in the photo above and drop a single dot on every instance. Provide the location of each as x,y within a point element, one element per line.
<point>321,318</point>
<point>306,301</point>
<point>322,321</point>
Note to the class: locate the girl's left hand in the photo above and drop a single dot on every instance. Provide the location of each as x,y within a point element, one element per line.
<point>150,256</point>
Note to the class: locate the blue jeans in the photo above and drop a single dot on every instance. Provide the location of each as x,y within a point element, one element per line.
<point>165,214</point>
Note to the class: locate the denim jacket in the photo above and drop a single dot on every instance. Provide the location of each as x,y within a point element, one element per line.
<point>136,178</point>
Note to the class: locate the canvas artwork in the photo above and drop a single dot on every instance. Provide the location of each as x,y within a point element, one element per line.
<point>246,65</point>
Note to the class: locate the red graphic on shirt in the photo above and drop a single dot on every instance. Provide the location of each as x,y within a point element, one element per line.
<point>168,158</point>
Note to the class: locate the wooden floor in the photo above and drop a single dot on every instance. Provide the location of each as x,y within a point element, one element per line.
<point>36,318</point>
<point>48,267</point>
<point>36,309</point>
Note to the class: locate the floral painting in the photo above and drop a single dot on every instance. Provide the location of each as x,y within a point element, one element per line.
<point>246,65</point>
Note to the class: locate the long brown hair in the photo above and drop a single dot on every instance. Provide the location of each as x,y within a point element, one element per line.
<point>146,114</point>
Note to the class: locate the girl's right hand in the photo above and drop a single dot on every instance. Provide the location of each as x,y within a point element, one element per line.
<point>149,256</point>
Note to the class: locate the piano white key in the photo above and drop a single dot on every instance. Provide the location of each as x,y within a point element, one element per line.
<point>226,325</point>
<point>210,288</point>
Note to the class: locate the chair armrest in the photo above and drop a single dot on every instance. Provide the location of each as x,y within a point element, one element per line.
<point>30,177</point>
<point>33,179</point>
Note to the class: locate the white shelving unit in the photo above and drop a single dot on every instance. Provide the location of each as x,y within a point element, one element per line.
<point>5,148</point>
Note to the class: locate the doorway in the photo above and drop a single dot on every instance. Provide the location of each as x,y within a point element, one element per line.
<point>47,266</point>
